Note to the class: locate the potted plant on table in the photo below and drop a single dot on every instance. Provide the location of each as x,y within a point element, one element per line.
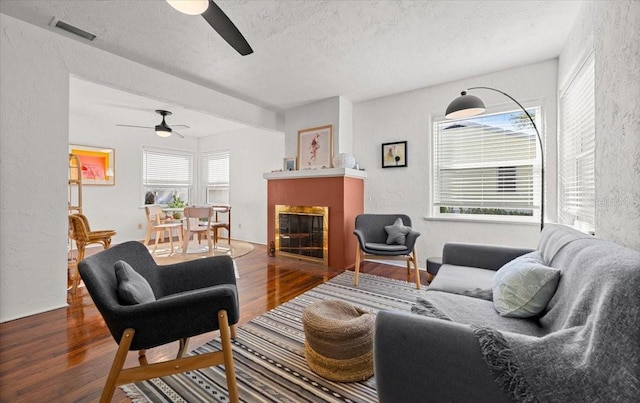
<point>176,202</point>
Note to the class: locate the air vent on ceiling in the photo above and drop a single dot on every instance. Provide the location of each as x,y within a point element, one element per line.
<point>73,30</point>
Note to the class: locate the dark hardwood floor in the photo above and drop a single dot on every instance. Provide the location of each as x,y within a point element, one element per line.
<point>64,355</point>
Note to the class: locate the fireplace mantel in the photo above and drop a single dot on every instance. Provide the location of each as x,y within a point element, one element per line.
<point>316,173</point>
<point>339,189</point>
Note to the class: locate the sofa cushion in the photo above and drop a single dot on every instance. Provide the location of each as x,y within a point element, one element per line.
<point>397,233</point>
<point>462,279</point>
<point>132,287</point>
<point>478,312</point>
<point>523,287</point>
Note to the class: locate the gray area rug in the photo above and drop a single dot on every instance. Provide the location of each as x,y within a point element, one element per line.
<point>269,352</point>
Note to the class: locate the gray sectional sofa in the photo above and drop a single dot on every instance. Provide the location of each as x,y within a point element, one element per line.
<point>583,347</point>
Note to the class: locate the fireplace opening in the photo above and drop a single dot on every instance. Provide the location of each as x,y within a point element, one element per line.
<point>303,232</point>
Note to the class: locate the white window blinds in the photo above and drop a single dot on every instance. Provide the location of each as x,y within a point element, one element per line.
<point>215,168</point>
<point>487,165</point>
<point>167,168</point>
<point>577,149</point>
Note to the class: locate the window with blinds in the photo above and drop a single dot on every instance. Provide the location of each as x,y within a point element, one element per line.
<point>577,149</point>
<point>166,173</point>
<point>215,176</point>
<point>487,166</point>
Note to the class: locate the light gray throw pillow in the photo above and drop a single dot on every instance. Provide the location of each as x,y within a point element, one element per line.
<point>397,233</point>
<point>523,287</point>
<point>132,287</point>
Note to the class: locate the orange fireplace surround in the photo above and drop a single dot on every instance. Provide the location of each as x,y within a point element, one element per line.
<point>342,193</point>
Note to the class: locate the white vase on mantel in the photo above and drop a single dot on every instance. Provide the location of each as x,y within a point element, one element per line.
<point>344,160</point>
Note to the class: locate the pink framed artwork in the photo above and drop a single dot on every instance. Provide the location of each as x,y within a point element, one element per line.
<point>97,164</point>
<point>315,147</point>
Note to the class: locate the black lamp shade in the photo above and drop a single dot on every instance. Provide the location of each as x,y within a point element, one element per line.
<point>464,106</point>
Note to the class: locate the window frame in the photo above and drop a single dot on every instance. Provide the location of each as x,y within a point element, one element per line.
<point>576,207</point>
<point>208,186</point>
<point>185,190</point>
<point>434,213</point>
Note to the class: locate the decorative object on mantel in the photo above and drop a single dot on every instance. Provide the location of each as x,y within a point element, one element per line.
<point>97,164</point>
<point>289,164</point>
<point>315,147</point>
<point>394,155</point>
<point>470,105</point>
<point>344,160</point>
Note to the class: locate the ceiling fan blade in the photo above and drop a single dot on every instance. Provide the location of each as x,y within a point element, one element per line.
<point>181,126</point>
<point>227,30</point>
<point>179,135</point>
<point>137,127</point>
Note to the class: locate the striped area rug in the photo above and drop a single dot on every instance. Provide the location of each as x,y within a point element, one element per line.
<point>269,352</point>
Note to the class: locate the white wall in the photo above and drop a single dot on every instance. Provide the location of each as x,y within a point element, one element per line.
<point>34,137</point>
<point>408,116</point>
<point>251,153</point>
<point>610,30</point>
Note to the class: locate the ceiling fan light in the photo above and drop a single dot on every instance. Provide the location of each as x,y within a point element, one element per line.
<point>190,7</point>
<point>163,131</point>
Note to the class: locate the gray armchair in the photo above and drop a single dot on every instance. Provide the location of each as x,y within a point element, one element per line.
<point>373,242</point>
<point>191,298</point>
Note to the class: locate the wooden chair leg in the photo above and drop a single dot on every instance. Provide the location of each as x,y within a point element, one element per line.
<point>147,237</point>
<point>118,375</point>
<point>155,246</point>
<point>179,234</point>
<point>209,241</point>
<point>229,370</point>
<point>184,343</point>
<point>170,232</point>
<point>142,357</point>
<point>357,267</point>
<point>234,332</point>
<point>80,246</point>
<point>116,367</point>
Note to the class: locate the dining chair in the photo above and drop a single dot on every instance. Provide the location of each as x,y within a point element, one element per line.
<point>221,209</point>
<point>81,233</point>
<point>195,225</point>
<point>156,224</point>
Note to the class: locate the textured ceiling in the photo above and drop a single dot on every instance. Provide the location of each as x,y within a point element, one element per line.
<point>305,51</point>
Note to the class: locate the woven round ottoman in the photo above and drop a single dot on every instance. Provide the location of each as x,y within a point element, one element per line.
<point>338,341</point>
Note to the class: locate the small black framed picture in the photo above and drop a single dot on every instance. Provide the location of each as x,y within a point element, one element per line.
<point>394,155</point>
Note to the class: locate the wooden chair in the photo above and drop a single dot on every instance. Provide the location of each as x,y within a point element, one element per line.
<point>217,224</point>
<point>81,233</point>
<point>176,314</point>
<point>372,241</point>
<point>195,225</point>
<point>155,224</point>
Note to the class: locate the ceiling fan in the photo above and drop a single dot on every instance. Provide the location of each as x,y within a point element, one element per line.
<point>163,129</point>
<point>217,19</point>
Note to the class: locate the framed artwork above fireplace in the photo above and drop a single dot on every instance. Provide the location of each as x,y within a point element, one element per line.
<point>315,147</point>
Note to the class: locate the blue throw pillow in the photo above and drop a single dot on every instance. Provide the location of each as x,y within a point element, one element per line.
<point>133,289</point>
<point>523,287</point>
<point>397,233</point>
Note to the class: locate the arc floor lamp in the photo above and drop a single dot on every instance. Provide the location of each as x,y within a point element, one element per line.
<point>469,105</point>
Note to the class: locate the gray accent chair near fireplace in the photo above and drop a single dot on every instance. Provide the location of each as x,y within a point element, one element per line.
<point>383,237</point>
<point>145,305</point>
